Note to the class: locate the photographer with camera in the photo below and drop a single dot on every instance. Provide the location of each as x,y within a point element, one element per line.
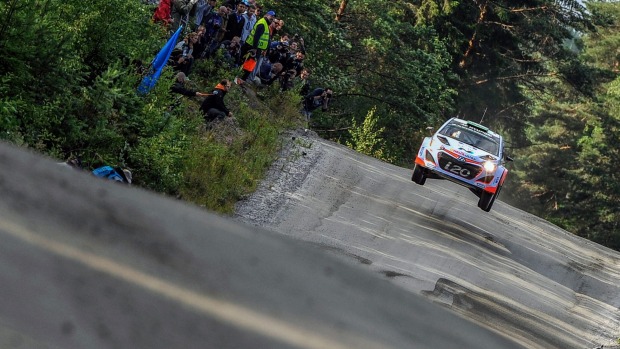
<point>320,97</point>
<point>278,52</point>
<point>231,50</point>
<point>297,44</point>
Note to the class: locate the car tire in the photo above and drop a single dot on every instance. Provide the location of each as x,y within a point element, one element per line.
<point>418,176</point>
<point>487,199</point>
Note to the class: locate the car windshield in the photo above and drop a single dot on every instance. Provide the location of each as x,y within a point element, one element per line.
<point>471,137</point>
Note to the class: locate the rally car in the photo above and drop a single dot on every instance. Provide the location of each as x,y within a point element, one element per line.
<point>465,153</point>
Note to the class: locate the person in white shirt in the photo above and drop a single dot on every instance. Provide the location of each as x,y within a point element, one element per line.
<point>250,21</point>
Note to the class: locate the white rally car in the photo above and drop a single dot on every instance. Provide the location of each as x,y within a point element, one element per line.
<point>466,153</point>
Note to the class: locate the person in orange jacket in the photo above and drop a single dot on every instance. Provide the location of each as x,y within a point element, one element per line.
<point>213,106</point>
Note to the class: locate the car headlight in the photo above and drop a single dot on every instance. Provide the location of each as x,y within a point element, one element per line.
<point>489,166</point>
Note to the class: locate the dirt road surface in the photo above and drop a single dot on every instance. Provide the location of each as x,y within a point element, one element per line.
<point>505,270</point>
<point>89,263</point>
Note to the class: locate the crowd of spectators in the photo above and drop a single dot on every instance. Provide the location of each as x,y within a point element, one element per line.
<point>254,45</point>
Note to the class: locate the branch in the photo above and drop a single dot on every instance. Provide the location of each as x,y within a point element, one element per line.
<point>369,97</point>
<point>520,76</point>
<point>543,8</point>
<point>472,40</point>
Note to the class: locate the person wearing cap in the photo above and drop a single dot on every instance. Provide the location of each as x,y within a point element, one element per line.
<point>259,40</point>
<point>213,106</point>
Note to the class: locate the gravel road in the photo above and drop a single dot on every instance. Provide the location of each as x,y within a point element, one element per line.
<point>506,270</point>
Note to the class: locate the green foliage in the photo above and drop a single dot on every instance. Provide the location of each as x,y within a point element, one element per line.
<point>69,71</point>
<point>366,138</point>
<point>568,165</point>
<point>218,173</point>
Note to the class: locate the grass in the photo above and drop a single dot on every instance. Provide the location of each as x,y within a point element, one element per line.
<point>226,163</point>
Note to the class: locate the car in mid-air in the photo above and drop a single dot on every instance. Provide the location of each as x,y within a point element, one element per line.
<point>466,153</point>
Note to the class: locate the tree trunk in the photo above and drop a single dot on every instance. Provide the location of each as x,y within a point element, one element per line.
<point>472,41</point>
<point>340,13</point>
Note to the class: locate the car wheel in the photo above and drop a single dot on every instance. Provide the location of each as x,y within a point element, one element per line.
<point>418,175</point>
<point>487,199</point>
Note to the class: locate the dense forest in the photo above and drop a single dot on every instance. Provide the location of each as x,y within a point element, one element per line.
<point>542,73</point>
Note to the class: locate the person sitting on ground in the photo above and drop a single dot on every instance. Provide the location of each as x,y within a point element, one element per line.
<point>268,73</point>
<point>179,87</point>
<point>183,53</point>
<point>320,97</point>
<point>213,106</point>
<point>117,174</point>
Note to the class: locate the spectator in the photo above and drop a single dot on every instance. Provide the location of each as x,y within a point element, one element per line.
<point>278,24</point>
<point>284,40</point>
<point>213,106</point>
<point>293,47</point>
<point>279,52</point>
<point>287,80</point>
<point>201,45</point>
<point>213,25</point>
<point>219,37</point>
<point>233,3</point>
<point>248,67</point>
<point>295,62</point>
<point>298,44</point>
<point>268,73</point>
<point>183,53</point>
<point>231,50</point>
<point>320,97</point>
<point>250,20</point>
<point>259,40</point>
<point>235,24</point>
<point>114,173</point>
<point>180,13</point>
<point>203,9</point>
<point>162,13</point>
<point>179,87</point>
<point>302,82</point>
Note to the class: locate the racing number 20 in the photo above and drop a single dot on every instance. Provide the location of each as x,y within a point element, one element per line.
<point>461,171</point>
